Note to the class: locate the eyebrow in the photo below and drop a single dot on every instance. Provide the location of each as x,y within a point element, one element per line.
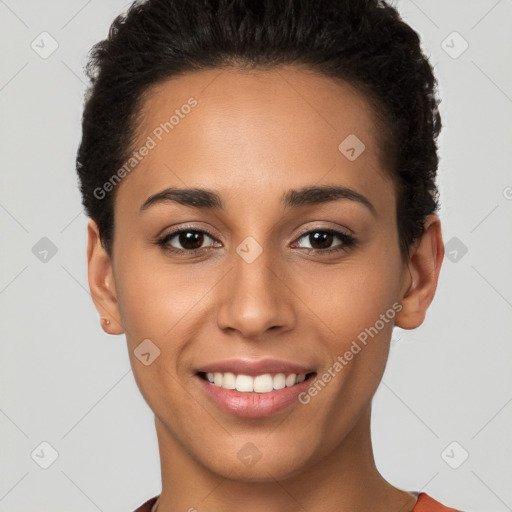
<point>207,199</point>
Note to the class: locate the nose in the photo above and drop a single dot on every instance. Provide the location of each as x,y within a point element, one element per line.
<point>256,297</point>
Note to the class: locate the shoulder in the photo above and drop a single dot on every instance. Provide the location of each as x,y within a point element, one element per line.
<point>147,506</point>
<point>427,504</point>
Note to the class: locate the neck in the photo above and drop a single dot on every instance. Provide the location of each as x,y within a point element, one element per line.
<point>344,480</point>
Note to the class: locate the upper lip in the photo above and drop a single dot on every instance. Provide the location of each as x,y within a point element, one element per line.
<point>254,367</point>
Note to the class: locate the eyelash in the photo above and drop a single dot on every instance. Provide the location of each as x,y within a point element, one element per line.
<point>348,241</point>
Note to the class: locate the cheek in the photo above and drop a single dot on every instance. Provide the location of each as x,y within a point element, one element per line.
<point>354,297</point>
<point>359,304</point>
<point>154,297</point>
<point>358,308</point>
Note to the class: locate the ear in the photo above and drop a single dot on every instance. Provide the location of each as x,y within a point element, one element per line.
<point>101,281</point>
<point>424,265</point>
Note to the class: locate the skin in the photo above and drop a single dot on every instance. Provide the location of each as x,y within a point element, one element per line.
<point>252,137</point>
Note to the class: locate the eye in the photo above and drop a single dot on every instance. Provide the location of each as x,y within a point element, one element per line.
<point>190,240</point>
<point>320,240</point>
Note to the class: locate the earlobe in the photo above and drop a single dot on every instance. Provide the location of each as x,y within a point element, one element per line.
<point>424,265</point>
<point>101,282</point>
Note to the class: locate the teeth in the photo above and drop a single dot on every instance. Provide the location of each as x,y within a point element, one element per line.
<point>279,381</point>
<point>260,384</point>
<point>263,383</point>
<point>244,383</point>
<point>290,380</point>
<point>229,381</point>
<point>218,378</point>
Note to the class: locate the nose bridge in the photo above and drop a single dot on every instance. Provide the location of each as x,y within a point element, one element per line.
<point>255,298</point>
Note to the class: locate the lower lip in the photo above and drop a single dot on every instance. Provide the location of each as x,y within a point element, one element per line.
<point>254,405</point>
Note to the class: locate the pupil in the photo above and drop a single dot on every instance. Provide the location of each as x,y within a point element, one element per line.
<point>187,238</point>
<point>323,237</point>
<point>193,240</point>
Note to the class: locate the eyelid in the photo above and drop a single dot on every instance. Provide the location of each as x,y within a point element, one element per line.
<point>184,229</point>
<point>338,227</point>
<point>347,240</point>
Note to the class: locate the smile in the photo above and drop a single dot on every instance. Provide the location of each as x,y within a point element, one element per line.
<point>249,396</point>
<point>265,383</point>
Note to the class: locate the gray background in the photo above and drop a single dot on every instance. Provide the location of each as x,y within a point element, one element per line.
<point>64,382</point>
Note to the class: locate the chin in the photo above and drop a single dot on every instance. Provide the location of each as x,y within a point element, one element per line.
<point>250,464</point>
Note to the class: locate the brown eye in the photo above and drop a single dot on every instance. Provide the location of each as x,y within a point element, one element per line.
<point>185,240</point>
<point>191,239</point>
<point>321,240</point>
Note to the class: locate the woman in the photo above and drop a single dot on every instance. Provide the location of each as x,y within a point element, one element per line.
<point>260,178</point>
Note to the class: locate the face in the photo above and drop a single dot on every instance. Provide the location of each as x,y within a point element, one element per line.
<point>264,272</point>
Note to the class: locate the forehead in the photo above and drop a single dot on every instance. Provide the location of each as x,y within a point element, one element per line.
<point>255,130</point>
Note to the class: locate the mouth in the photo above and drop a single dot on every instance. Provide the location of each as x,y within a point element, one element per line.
<point>254,396</point>
<point>263,383</point>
